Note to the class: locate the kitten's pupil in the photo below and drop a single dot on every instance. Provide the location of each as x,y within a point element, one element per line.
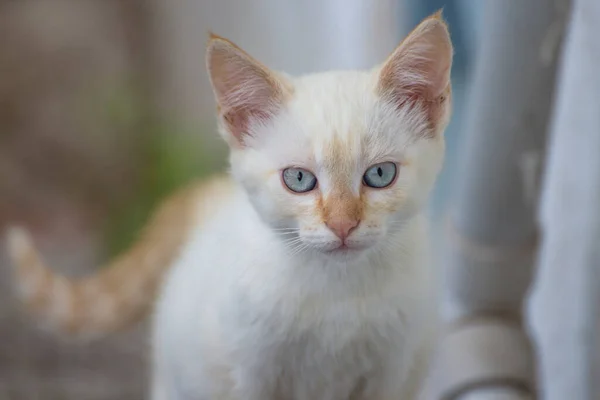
<point>299,176</point>
<point>379,172</point>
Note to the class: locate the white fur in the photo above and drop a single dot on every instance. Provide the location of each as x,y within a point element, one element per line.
<point>256,309</point>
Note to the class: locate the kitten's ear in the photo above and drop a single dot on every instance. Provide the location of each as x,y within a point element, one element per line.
<point>245,89</point>
<point>418,71</point>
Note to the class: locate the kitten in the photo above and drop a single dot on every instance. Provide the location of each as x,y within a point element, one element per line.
<point>304,275</point>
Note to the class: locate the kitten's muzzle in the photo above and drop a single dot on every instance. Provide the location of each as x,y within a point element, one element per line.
<point>342,228</point>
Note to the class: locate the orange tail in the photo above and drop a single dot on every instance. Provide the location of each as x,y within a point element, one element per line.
<point>120,293</point>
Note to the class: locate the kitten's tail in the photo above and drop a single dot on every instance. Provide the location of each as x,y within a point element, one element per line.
<point>120,293</point>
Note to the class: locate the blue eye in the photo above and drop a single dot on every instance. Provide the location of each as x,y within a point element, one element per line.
<point>299,180</point>
<point>380,175</point>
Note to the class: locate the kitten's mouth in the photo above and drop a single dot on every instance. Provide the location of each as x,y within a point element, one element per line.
<point>343,249</point>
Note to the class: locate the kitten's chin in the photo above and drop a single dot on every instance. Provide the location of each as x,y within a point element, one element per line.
<point>345,253</point>
<point>331,249</point>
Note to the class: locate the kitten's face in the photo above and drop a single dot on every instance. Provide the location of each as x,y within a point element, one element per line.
<point>336,162</point>
<point>338,158</point>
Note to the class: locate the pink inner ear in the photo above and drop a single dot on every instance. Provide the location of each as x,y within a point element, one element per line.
<point>418,72</point>
<point>238,121</point>
<point>245,89</point>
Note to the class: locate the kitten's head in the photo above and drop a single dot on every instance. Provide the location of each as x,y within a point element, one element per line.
<point>336,162</point>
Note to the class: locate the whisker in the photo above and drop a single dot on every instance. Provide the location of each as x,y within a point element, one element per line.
<point>292,242</point>
<point>296,247</point>
<point>299,249</point>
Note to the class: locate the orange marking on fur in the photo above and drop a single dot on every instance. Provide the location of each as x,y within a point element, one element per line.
<point>342,207</point>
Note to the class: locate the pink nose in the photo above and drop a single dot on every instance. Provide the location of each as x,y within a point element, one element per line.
<point>342,227</point>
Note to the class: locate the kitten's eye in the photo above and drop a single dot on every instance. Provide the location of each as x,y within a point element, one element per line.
<point>380,175</point>
<point>299,180</point>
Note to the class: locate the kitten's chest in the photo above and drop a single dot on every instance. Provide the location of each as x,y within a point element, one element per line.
<point>348,350</point>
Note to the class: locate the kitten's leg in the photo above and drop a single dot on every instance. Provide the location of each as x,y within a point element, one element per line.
<point>159,389</point>
<point>413,388</point>
<point>402,381</point>
<point>161,386</point>
<point>247,390</point>
<point>253,381</point>
<point>163,390</point>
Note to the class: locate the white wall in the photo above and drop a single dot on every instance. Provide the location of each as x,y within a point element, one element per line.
<point>295,36</point>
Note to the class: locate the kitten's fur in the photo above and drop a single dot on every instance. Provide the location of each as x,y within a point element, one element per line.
<point>257,303</point>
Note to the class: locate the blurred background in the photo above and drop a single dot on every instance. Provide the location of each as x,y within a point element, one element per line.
<point>105,107</point>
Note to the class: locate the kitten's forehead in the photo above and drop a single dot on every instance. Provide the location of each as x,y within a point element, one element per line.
<point>339,157</point>
<point>344,119</point>
<point>337,125</point>
<point>334,108</point>
<point>334,105</point>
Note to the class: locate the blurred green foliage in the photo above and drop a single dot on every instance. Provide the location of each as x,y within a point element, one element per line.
<point>170,156</point>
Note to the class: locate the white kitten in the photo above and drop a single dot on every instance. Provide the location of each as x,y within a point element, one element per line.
<point>305,276</point>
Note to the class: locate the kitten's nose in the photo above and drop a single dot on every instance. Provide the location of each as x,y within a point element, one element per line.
<point>342,227</point>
